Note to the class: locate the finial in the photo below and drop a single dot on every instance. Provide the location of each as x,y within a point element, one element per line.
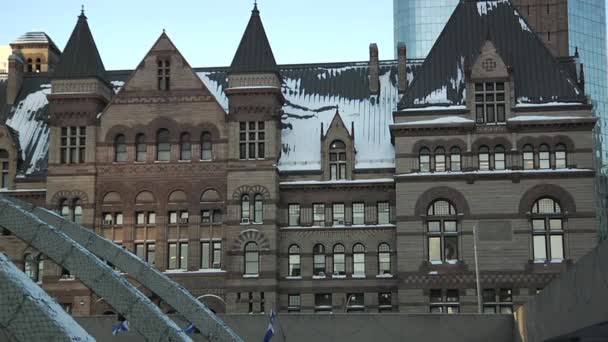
<point>81,9</point>
<point>163,30</point>
<point>255,5</point>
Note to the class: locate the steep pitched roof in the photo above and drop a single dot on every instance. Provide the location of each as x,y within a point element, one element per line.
<point>80,57</point>
<point>537,75</point>
<point>254,53</point>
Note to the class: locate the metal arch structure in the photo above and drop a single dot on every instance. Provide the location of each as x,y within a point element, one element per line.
<point>143,315</point>
<point>29,314</point>
<point>196,312</point>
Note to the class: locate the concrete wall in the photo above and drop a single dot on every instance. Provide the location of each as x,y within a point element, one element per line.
<point>573,307</point>
<point>342,327</point>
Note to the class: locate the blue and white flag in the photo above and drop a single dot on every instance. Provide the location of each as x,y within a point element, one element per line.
<point>123,326</point>
<point>190,329</point>
<point>270,331</point>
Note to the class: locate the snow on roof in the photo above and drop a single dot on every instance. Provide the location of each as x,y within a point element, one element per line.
<point>437,121</point>
<point>35,37</point>
<point>434,108</point>
<point>26,117</point>
<point>341,181</point>
<point>548,104</point>
<point>483,7</point>
<point>312,93</point>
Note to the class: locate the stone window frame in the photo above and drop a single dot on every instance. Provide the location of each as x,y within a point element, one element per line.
<point>120,148</point>
<point>293,260</point>
<point>553,226</point>
<point>384,251</point>
<point>359,260</point>
<point>319,250</point>
<point>500,301</point>
<point>338,160</point>
<point>481,93</point>
<point>561,148</point>
<point>72,140</point>
<point>252,140</point>
<point>444,301</point>
<point>163,69</point>
<point>5,164</point>
<point>251,257</point>
<point>483,158</point>
<point>441,233</point>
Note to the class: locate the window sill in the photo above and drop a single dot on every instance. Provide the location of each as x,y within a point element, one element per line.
<point>318,277</point>
<point>251,275</point>
<point>358,276</point>
<point>339,276</point>
<point>385,275</point>
<point>293,277</point>
<point>184,161</point>
<point>162,161</point>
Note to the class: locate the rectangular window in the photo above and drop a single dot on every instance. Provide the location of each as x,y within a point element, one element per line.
<point>164,74</point>
<point>442,241</point>
<point>528,160</point>
<point>72,145</point>
<point>146,251</point>
<point>183,217</point>
<point>140,250</point>
<point>206,216</point>
<point>540,248</point>
<point>318,214</point>
<point>560,159</point>
<point>4,180</point>
<point>543,160</point>
<point>172,217</point>
<point>449,304</point>
<point>294,215</point>
<point>173,262</point>
<point>293,304</point>
<point>338,214</point>
<point>358,213</point>
<point>490,102</point>
<point>151,218</point>
<point>216,257</point>
<point>251,140</point>
<point>355,302</point>
<point>151,254</point>
<point>499,161</point>
<point>385,302</point>
<point>323,302</point>
<point>183,255</point>
<point>108,219</point>
<point>497,303</point>
<point>118,218</point>
<point>205,255</point>
<point>140,218</point>
<point>383,213</point>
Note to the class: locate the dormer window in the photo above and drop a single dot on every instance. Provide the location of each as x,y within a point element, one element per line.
<point>164,74</point>
<point>490,102</point>
<point>337,160</point>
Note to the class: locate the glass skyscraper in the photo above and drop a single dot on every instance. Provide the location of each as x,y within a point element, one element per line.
<point>418,23</point>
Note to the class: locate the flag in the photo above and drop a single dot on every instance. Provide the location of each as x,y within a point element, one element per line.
<point>190,329</point>
<point>123,326</point>
<point>270,330</point>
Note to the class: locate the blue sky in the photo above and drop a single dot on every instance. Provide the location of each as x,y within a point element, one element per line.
<point>207,32</point>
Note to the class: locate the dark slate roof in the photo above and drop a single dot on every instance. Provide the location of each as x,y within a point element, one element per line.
<point>538,76</point>
<point>254,53</point>
<point>80,57</point>
<point>3,106</point>
<point>36,37</point>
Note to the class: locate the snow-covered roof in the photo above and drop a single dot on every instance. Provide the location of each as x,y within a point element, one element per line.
<point>35,37</point>
<point>312,92</point>
<point>437,121</point>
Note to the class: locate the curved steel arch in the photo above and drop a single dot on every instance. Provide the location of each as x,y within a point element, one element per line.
<point>144,316</point>
<point>29,314</point>
<point>197,313</point>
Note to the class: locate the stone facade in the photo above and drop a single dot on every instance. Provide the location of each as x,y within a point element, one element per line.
<point>193,187</point>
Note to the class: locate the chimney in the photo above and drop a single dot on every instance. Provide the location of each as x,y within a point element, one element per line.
<point>15,76</point>
<point>401,68</point>
<point>374,69</point>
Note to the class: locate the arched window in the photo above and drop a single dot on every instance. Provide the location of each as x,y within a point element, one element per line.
<point>358,260</point>
<point>252,259</point>
<point>384,259</point>
<point>484,158</point>
<point>424,160</point>
<point>528,157</point>
<point>64,209</point>
<point>258,207</point>
<point>339,260</point>
<point>185,147</point>
<point>455,163</point>
<point>547,231</point>
<point>163,146</point>
<point>442,232</point>
<point>245,215</point>
<point>30,65</point>
<point>120,148</point>
<point>77,211</point>
<point>38,65</point>
<point>439,159</point>
<point>4,168</point>
<point>499,158</point>
<point>560,156</point>
<point>206,146</point>
<point>544,161</point>
<point>141,148</point>
<point>337,160</point>
<point>318,255</point>
<point>294,261</point>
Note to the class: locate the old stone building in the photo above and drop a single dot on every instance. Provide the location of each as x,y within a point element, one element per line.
<point>315,187</point>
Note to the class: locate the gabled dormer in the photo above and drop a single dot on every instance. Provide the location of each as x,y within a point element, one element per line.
<point>337,150</point>
<point>255,98</point>
<point>489,87</point>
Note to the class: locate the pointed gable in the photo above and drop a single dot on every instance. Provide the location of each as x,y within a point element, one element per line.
<point>254,54</point>
<point>80,57</point>
<point>537,75</point>
<point>337,129</point>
